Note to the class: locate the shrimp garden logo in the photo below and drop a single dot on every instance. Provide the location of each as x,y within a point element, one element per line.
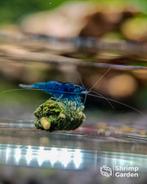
<point>119,171</point>
<point>106,171</point>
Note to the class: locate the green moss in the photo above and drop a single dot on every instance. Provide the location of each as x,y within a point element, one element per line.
<point>54,115</point>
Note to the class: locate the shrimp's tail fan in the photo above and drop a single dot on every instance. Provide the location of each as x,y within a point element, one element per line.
<point>26,86</point>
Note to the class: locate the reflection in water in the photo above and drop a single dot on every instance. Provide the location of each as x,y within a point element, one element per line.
<point>17,154</point>
<point>29,155</point>
<point>41,156</point>
<point>65,158</point>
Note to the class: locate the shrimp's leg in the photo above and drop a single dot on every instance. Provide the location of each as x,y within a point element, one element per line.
<point>60,97</point>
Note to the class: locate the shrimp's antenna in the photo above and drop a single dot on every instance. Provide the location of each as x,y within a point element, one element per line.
<point>108,101</point>
<point>118,102</point>
<point>80,79</point>
<point>13,90</point>
<point>86,92</point>
<point>98,95</point>
<point>100,79</point>
<point>90,89</point>
<point>10,90</point>
<point>85,98</point>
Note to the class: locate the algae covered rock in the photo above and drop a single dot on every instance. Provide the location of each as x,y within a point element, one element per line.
<point>59,115</point>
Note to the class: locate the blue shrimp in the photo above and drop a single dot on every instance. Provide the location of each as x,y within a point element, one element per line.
<point>68,91</point>
<point>60,90</point>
